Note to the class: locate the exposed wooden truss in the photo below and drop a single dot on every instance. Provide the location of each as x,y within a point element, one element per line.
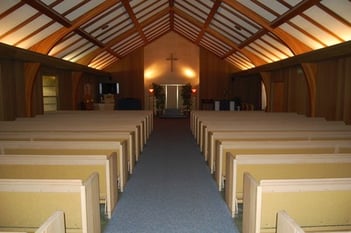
<point>246,33</point>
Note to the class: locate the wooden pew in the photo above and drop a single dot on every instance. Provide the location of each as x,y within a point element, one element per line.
<point>241,121</point>
<point>318,204</point>
<point>273,147</point>
<point>286,224</point>
<point>66,167</point>
<point>269,125</point>
<point>21,200</point>
<point>78,136</point>
<point>143,116</point>
<point>83,123</point>
<point>54,224</point>
<point>213,136</point>
<point>269,135</point>
<point>280,166</point>
<point>72,148</point>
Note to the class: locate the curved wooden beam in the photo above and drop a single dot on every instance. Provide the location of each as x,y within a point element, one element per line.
<point>310,71</point>
<point>30,73</point>
<point>266,79</point>
<point>76,77</point>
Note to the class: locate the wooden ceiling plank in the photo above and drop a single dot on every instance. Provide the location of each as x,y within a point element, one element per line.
<point>103,15</point>
<point>49,42</point>
<point>307,34</point>
<point>275,47</point>
<point>11,10</point>
<point>322,27</point>
<point>44,9</point>
<point>334,15</point>
<point>34,32</point>
<point>296,46</point>
<point>298,9</point>
<point>80,4</point>
<point>19,26</point>
<point>239,27</point>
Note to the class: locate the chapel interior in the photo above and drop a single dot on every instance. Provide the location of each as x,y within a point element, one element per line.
<point>174,60</point>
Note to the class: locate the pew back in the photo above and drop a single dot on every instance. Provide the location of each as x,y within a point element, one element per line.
<point>270,166</point>
<point>26,203</point>
<point>317,204</point>
<point>129,137</point>
<point>72,148</point>
<point>274,147</point>
<point>65,167</point>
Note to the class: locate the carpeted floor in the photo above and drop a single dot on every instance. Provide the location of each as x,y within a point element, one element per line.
<point>171,189</point>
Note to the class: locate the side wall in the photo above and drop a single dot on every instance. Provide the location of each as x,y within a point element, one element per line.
<point>334,89</point>
<point>215,77</point>
<point>288,91</point>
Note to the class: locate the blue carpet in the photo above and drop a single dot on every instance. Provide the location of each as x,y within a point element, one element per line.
<point>171,189</point>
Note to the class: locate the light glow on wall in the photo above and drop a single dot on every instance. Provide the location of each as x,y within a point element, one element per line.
<point>189,73</point>
<point>154,71</point>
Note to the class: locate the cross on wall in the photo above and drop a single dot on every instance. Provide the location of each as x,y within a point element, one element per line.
<point>172,59</point>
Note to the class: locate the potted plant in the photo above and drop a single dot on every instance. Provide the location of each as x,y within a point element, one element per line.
<point>160,96</point>
<point>186,95</point>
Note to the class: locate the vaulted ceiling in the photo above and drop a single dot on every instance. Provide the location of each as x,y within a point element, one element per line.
<point>246,33</point>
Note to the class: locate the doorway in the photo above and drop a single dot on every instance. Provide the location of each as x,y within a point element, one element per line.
<point>173,96</point>
<point>50,93</point>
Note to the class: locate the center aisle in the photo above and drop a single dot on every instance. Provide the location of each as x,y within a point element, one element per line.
<point>171,189</point>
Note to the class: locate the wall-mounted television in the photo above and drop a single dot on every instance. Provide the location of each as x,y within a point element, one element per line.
<point>108,88</point>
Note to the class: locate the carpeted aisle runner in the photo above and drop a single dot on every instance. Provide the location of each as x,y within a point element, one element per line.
<point>171,189</point>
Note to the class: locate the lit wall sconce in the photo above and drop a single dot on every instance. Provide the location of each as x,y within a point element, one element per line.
<point>193,90</point>
<point>151,91</point>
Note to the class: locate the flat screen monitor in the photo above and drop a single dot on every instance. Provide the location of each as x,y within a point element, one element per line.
<point>108,88</point>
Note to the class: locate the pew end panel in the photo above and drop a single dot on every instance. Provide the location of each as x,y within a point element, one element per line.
<point>286,224</point>
<point>54,224</point>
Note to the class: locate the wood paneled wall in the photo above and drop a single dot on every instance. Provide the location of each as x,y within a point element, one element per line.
<point>215,77</point>
<point>13,96</point>
<point>288,90</point>
<point>129,73</point>
<point>248,90</point>
<point>11,90</point>
<point>334,89</point>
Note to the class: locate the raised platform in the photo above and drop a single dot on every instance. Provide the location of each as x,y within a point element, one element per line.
<point>172,113</point>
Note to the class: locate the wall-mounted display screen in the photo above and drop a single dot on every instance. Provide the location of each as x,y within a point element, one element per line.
<point>108,88</point>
